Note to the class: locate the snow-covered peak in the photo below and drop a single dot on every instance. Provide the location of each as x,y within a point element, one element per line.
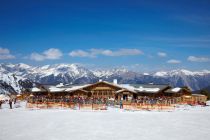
<point>75,73</point>
<point>23,66</point>
<point>161,74</point>
<point>45,67</point>
<point>180,72</point>
<point>109,72</point>
<point>73,70</point>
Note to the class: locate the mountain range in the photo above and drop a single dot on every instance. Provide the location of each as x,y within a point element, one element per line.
<point>16,77</point>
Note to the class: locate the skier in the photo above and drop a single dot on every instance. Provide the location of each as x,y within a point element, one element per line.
<point>10,103</point>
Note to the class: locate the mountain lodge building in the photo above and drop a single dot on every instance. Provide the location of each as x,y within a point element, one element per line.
<point>103,89</point>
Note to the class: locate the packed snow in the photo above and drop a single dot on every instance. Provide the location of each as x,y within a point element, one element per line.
<point>184,123</point>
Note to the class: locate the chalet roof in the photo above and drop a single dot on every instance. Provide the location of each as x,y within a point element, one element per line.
<point>52,88</point>
<point>135,88</point>
<point>127,87</point>
<point>36,89</point>
<point>105,82</point>
<point>148,88</point>
<point>122,90</point>
<point>76,87</point>
<point>56,89</point>
<point>173,90</point>
<point>161,87</point>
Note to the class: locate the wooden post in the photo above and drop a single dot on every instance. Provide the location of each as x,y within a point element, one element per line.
<point>47,104</point>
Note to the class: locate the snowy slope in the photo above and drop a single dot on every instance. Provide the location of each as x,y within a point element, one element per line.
<point>188,123</point>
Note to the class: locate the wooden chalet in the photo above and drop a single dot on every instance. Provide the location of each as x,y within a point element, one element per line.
<point>103,89</point>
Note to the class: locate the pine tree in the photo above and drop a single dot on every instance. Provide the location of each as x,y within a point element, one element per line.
<point>205,92</point>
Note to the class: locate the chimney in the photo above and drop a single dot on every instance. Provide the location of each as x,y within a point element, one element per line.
<point>115,81</point>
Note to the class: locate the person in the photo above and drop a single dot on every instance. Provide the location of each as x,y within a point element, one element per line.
<point>10,103</point>
<point>15,100</point>
<point>121,104</point>
<point>0,103</point>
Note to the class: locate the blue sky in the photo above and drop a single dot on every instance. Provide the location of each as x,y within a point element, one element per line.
<point>142,35</point>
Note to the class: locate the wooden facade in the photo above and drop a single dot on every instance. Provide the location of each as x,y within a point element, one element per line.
<point>194,99</point>
<point>102,89</point>
<point>107,90</point>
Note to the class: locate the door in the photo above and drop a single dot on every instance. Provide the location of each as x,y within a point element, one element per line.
<point>125,97</point>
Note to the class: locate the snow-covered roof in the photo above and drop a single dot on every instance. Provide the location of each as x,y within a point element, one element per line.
<point>152,90</point>
<point>60,85</point>
<point>120,90</point>
<point>128,87</point>
<point>35,89</point>
<point>174,90</point>
<point>55,89</point>
<point>177,89</point>
<point>143,88</point>
<point>73,88</point>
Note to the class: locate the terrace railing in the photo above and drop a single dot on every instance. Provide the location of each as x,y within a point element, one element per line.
<point>103,104</point>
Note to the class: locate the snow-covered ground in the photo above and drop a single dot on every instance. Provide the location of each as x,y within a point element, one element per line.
<point>185,123</point>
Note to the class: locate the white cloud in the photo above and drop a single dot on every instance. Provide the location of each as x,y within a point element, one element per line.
<point>173,61</point>
<point>161,54</point>
<point>123,52</point>
<point>105,52</point>
<point>5,54</point>
<point>37,57</point>
<point>50,54</point>
<point>80,53</point>
<point>198,59</point>
<point>4,51</point>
